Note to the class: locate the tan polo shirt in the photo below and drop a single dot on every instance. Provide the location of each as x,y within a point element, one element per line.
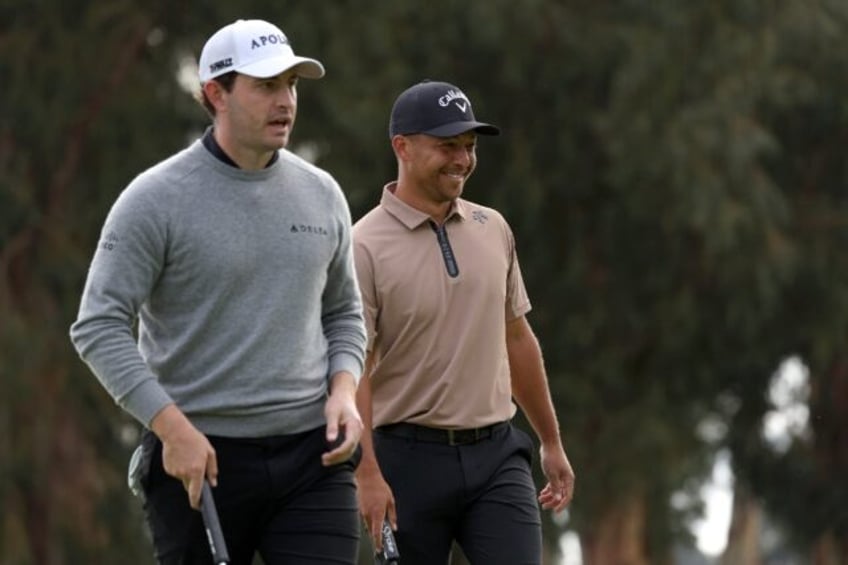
<point>436,306</point>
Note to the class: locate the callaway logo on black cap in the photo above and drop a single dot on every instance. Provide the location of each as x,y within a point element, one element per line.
<point>458,98</point>
<point>435,108</point>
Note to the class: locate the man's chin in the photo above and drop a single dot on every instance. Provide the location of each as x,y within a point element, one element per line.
<point>278,143</point>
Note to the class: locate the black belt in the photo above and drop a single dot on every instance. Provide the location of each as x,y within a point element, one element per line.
<point>440,435</point>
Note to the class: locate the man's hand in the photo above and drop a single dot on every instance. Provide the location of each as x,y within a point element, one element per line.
<point>376,502</point>
<point>558,492</point>
<point>342,419</point>
<point>187,454</point>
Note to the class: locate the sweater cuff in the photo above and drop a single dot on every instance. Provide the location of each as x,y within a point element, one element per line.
<point>346,362</point>
<point>146,400</point>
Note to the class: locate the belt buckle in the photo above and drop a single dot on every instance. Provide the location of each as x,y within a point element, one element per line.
<point>462,437</point>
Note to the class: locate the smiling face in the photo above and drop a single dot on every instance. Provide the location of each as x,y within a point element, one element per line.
<point>433,170</point>
<point>256,117</point>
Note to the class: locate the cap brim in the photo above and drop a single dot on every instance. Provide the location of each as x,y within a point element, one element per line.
<point>456,128</point>
<point>306,68</point>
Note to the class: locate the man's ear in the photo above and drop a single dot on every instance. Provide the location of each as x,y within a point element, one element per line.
<point>214,93</point>
<point>402,146</point>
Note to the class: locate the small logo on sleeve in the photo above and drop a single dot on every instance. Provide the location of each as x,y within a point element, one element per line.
<point>109,241</point>
<point>479,216</point>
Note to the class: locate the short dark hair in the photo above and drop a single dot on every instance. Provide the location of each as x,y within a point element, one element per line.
<point>226,80</point>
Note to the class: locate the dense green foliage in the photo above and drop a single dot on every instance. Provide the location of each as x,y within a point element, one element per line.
<point>673,171</point>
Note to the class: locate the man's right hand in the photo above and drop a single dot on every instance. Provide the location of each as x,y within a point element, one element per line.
<point>376,502</point>
<point>187,454</point>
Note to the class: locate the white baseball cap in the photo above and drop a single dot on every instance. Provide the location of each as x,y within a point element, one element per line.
<point>255,48</point>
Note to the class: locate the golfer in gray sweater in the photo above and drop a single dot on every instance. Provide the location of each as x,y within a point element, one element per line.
<point>234,259</point>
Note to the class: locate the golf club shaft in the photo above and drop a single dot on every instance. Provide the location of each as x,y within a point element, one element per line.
<point>213,526</point>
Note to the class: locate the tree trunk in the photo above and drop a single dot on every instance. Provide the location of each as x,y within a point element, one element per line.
<point>743,539</point>
<point>829,400</point>
<point>829,550</point>
<point>619,537</point>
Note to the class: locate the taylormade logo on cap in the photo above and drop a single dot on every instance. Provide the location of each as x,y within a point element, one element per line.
<point>255,48</point>
<point>435,108</point>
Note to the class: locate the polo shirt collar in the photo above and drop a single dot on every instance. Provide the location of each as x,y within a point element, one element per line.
<point>411,217</point>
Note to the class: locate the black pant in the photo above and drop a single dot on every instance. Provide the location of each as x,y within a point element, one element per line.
<point>480,494</point>
<point>273,496</point>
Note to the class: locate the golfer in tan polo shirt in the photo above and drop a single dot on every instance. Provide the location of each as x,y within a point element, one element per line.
<point>449,349</point>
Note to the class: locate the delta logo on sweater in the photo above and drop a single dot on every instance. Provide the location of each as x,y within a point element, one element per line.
<point>305,228</point>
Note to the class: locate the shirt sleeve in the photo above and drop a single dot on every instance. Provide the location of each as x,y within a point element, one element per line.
<point>517,301</point>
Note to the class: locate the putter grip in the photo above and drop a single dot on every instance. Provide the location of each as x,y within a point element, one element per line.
<point>213,526</point>
<point>389,554</point>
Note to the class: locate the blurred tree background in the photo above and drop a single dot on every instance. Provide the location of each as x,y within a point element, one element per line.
<point>675,176</point>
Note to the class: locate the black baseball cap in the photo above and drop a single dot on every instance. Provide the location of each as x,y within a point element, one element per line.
<point>435,108</point>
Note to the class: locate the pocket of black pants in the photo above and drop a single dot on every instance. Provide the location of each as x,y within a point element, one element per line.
<point>523,443</point>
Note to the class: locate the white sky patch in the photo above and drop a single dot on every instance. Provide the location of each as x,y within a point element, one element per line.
<point>187,76</point>
<point>712,429</point>
<point>156,37</point>
<point>711,530</point>
<point>569,544</point>
<point>789,393</point>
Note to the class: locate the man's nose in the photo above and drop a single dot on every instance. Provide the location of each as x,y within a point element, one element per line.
<point>464,156</point>
<point>286,97</point>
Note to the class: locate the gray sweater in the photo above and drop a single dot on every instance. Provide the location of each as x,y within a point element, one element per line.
<point>243,289</point>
